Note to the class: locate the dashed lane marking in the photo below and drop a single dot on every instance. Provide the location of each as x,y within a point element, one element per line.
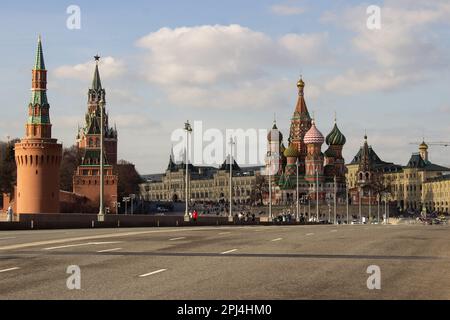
<point>152,273</point>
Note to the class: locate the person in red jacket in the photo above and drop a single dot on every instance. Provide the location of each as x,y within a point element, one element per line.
<point>195,215</point>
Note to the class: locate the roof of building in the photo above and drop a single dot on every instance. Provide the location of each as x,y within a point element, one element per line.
<point>416,161</point>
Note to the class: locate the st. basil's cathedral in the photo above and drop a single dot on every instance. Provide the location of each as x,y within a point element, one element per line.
<point>320,174</point>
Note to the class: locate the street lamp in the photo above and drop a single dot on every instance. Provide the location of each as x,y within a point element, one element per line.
<point>378,209</point>
<point>132,197</point>
<point>360,209</point>
<point>298,218</point>
<point>335,200</point>
<point>101,212</point>
<point>126,200</point>
<point>270,188</point>
<point>317,195</point>
<point>347,200</point>
<point>230,216</point>
<point>188,129</point>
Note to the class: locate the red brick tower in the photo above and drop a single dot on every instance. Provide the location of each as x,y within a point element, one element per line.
<point>86,180</point>
<point>38,156</point>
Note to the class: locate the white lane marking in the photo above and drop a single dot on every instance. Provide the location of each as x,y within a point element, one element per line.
<point>10,269</point>
<point>109,250</point>
<point>175,239</point>
<point>223,233</point>
<point>8,238</point>
<point>152,273</point>
<point>108,235</point>
<point>81,245</point>
<point>278,239</point>
<point>310,234</point>
<point>229,251</point>
<point>333,231</point>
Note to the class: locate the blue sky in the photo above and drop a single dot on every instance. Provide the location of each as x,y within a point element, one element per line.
<point>233,64</point>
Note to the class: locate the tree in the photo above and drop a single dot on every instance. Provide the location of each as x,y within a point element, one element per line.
<point>259,189</point>
<point>70,161</point>
<point>8,170</point>
<point>129,179</point>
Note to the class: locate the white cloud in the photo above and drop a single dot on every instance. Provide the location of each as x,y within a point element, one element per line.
<point>287,10</point>
<point>353,81</point>
<point>406,48</point>
<point>109,68</point>
<point>307,48</point>
<point>226,66</point>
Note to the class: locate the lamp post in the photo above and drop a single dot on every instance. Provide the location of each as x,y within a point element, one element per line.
<point>230,216</point>
<point>360,196</point>
<point>346,199</point>
<point>101,212</point>
<point>132,197</point>
<point>126,200</point>
<point>317,195</point>
<point>298,217</point>
<point>378,210</point>
<point>188,129</point>
<point>335,200</point>
<point>270,186</point>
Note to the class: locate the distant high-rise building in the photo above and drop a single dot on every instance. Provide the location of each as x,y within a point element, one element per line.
<point>38,155</point>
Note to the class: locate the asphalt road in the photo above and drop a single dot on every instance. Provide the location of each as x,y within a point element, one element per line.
<point>255,262</point>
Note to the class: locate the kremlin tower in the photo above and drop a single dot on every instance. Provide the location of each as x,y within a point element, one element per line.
<point>38,156</point>
<point>86,181</point>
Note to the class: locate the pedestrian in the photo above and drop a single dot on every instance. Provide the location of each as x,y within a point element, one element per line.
<point>195,215</point>
<point>9,214</point>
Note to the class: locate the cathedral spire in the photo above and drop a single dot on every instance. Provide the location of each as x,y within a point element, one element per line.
<point>96,82</point>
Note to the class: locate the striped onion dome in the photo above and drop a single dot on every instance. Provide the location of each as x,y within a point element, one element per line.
<point>336,138</point>
<point>291,152</point>
<point>314,136</point>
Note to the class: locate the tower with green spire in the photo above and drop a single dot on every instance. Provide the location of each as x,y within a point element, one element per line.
<point>38,155</point>
<point>38,124</point>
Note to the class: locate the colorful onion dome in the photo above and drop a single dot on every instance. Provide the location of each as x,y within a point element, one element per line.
<point>314,136</point>
<point>282,148</point>
<point>336,138</point>
<point>275,133</point>
<point>423,146</point>
<point>291,152</point>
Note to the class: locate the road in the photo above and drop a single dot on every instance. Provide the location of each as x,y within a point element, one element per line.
<point>252,262</point>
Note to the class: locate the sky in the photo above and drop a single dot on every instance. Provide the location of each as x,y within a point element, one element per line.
<point>234,64</point>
